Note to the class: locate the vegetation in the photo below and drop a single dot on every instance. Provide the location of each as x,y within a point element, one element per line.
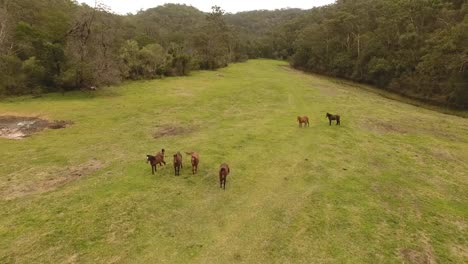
<point>57,45</point>
<point>388,185</point>
<point>417,48</point>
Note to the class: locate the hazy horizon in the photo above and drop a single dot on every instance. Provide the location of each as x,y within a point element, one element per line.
<point>124,7</point>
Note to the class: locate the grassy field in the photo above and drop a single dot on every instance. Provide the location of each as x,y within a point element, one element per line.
<point>390,185</point>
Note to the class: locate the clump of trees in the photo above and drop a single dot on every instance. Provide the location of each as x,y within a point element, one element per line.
<point>58,45</point>
<point>418,48</point>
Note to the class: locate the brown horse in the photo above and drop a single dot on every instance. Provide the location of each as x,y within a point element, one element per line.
<point>223,173</point>
<point>303,120</point>
<point>177,163</point>
<point>155,160</point>
<point>195,158</point>
<point>333,117</point>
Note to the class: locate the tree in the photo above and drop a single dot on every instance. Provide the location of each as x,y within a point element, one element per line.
<point>153,60</point>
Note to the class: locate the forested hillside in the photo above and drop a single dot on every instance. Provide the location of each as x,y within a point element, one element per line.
<point>56,45</point>
<point>418,48</point>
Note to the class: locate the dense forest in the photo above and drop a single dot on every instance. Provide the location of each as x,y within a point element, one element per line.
<point>418,48</point>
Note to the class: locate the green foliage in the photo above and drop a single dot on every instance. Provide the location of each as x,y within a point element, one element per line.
<point>179,60</point>
<point>153,60</point>
<point>11,77</point>
<point>129,56</point>
<point>34,73</point>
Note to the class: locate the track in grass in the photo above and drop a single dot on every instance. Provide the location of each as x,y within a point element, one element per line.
<point>388,185</point>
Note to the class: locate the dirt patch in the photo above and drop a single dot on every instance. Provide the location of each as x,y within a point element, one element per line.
<point>19,127</point>
<point>172,131</point>
<point>49,181</point>
<point>183,91</point>
<point>417,256</point>
<point>442,154</point>
<point>422,255</point>
<point>383,127</point>
<point>327,90</point>
<point>460,250</point>
<point>58,124</point>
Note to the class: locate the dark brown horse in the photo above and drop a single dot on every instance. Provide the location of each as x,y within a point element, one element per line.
<point>303,120</point>
<point>223,173</point>
<point>155,160</point>
<point>177,163</point>
<point>333,117</point>
<point>195,158</point>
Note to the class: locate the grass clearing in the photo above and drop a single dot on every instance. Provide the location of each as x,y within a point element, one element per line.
<point>387,186</point>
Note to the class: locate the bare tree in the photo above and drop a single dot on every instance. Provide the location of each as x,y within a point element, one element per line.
<point>4,27</point>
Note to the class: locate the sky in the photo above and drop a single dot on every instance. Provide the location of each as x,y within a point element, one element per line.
<point>132,6</point>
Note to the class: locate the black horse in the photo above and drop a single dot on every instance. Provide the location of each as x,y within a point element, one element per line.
<point>333,117</point>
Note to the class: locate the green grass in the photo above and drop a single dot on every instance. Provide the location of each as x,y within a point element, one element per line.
<point>389,185</point>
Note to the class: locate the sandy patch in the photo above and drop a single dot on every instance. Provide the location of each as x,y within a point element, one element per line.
<point>424,254</point>
<point>172,131</point>
<point>50,181</point>
<point>383,127</point>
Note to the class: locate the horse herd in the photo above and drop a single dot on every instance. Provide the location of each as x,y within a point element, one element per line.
<point>158,159</point>
<point>224,169</point>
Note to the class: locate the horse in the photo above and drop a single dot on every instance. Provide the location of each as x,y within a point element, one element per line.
<point>303,120</point>
<point>177,163</point>
<point>195,158</point>
<point>155,160</point>
<point>223,173</point>
<point>333,117</point>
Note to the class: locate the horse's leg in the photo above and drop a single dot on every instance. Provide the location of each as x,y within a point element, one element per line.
<point>329,121</point>
<point>152,169</point>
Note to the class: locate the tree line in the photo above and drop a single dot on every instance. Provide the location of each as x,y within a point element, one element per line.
<point>418,48</point>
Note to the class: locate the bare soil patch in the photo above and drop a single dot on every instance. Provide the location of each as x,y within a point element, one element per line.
<point>19,127</point>
<point>327,90</point>
<point>383,127</point>
<point>172,131</point>
<point>422,255</point>
<point>50,181</point>
<point>417,257</point>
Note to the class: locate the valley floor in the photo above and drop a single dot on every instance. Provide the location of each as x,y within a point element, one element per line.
<point>389,185</point>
